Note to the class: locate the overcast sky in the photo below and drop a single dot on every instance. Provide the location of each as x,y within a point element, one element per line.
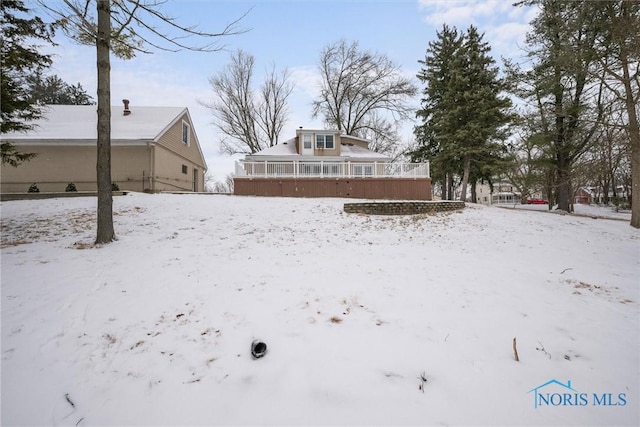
<point>288,34</point>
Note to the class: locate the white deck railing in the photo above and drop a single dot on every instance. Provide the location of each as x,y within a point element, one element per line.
<point>329,169</point>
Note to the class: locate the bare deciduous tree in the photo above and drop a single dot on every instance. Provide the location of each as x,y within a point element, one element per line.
<point>124,28</point>
<point>362,92</point>
<point>273,112</point>
<point>234,106</point>
<point>383,135</point>
<point>248,122</point>
<point>215,186</point>
<point>618,46</point>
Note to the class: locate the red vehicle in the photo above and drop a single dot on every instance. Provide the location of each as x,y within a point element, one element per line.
<point>534,201</point>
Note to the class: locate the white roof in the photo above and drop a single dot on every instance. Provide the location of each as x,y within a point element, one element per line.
<point>286,148</point>
<point>287,151</point>
<point>357,151</point>
<point>79,122</point>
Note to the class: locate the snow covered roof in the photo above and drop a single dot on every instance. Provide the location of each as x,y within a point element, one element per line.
<point>286,148</point>
<point>79,122</point>
<point>348,150</point>
<point>287,151</point>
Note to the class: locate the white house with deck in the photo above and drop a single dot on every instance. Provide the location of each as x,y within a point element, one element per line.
<point>324,163</point>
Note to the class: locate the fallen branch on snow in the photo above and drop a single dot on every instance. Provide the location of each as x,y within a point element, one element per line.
<point>423,381</point>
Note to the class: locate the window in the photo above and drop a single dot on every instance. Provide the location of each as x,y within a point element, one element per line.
<point>186,132</point>
<point>184,169</point>
<point>306,141</point>
<point>324,142</point>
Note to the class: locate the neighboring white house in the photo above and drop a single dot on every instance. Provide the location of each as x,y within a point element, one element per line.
<point>504,193</point>
<point>325,163</point>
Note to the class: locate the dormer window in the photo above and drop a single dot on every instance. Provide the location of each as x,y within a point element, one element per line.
<point>186,132</point>
<point>324,141</point>
<point>306,141</point>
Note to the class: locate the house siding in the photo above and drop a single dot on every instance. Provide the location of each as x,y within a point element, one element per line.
<point>361,188</point>
<point>55,167</point>
<point>316,151</point>
<point>138,154</point>
<point>172,140</point>
<point>168,175</point>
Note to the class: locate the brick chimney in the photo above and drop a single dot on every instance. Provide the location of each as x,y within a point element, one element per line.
<point>126,111</point>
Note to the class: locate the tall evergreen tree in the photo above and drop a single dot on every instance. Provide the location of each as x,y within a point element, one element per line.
<point>53,90</point>
<point>464,111</point>
<point>561,87</point>
<point>433,135</point>
<point>482,111</point>
<point>20,58</point>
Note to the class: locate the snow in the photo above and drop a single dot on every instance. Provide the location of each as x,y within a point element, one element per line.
<point>78,122</point>
<point>591,211</point>
<point>356,151</point>
<point>287,151</point>
<point>156,328</point>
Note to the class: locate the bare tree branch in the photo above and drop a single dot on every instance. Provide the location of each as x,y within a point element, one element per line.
<point>359,89</point>
<point>133,27</point>
<point>248,123</point>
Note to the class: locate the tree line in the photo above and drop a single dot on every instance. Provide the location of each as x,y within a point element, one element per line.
<point>574,121</point>
<point>566,117</point>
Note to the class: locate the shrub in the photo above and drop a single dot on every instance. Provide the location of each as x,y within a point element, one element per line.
<point>114,187</point>
<point>33,188</point>
<point>71,187</point>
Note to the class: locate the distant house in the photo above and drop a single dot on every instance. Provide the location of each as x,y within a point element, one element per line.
<point>502,193</point>
<point>152,149</point>
<point>324,163</point>
<point>588,195</point>
<point>583,196</point>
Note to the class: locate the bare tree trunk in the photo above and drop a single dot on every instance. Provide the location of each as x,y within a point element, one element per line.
<point>474,195</point>
<point>105,232</point>
<point>634,137</point>
<point>549,182</point>
<point>562,187</point>
<point>562,161</point>
<point>465,178</point>
<point>445,187</point>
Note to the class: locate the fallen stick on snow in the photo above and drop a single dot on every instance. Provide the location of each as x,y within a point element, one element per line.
<point>66,396</point>
<point>515,350</point>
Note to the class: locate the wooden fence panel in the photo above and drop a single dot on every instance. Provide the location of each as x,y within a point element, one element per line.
<point>359,188</point>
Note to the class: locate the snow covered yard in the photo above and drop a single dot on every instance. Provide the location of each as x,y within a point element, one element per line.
<point>368,320</point>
